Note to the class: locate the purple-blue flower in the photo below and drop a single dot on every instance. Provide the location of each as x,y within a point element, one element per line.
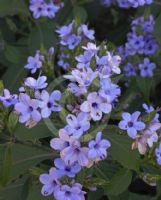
<point>36,84</point>
<point>64,169</point>
<point>70,193</point>
<point>50,182</point>
<point>28,109</point>
<point>129,70</point>
<point>95,106</point>
<point>74,153</point>
<point>109,90</point>
<point>86,32</point>
<point>35,62</point>
<point>62,142</point>
<point>41,8</point>
<point>158,154</point>
<point>77,125</point>
<point>149,109</point>
<point>98,148</point>
<point>146,68</point>
<point>131,124</point>
<point>8,99</point>
<point>48,102</point>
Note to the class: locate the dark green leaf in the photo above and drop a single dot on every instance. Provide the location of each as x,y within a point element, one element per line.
<point>119,183</point>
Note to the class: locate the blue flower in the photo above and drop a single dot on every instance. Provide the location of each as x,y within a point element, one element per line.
<point>74,153</point>
<point>8,99</point>
<point>35,62</point>
<point>50,182</point>
<point>109,90</point>
<point>95,106</point>
<point>48,102</point>
<point>98,148</point>
<point>70,193</point>
<point>146,68</point>
<point>131,124</point>
<point>87,32</point>
<point>158,154</point>
<point>129,70</point>
<point>28,109</point>
<point>64,169</point>
<point>42,9</point>
<point>62,142</point>
<point>77,125</point>
<point>36,84</point>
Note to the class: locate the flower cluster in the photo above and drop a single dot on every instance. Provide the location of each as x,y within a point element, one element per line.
<point>70,38</point>
<point>33,101</point>
<point>40,8</point>
<point>127,3</point>
<point>91,84</point>
<point>144,134</point>
<point>140,41</point>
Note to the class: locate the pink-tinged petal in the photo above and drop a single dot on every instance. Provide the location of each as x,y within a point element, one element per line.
<point>135,116</point>
<point>142,148</point>
<point>36,116</point>
<point>139,126</point>
<point>24,118</point>
<point>155,126</point>
<point>126,116</point>
<point>132,132</point>
<point>105,107</point>
<point>44,178</point>
<point>123,125</point>
<point>64,135</point>
<point>45,112</point>
<point>85,107</point>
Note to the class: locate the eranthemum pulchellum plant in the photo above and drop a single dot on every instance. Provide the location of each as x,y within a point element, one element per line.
<point>102,135</point>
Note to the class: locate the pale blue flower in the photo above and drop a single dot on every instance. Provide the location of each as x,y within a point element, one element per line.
<point>131,124</point>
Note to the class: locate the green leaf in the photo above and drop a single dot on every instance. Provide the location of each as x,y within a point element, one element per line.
<point>157,31</point>
<point>119,183</point>
<point>35,193</point>
<point>35,133</point>
<point>80,14</point>
<point>25,189</point>
<point>145,86</point>
<point>12,121</point>
<point>25,157</point>
<point>121,151</point>
<point>15,54</point>
<point>95,195</point>
<point>12,7</point>
<point>42,35</point>
<point>12,191</point>
<point>13,77</point>
<point>6,166</point>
